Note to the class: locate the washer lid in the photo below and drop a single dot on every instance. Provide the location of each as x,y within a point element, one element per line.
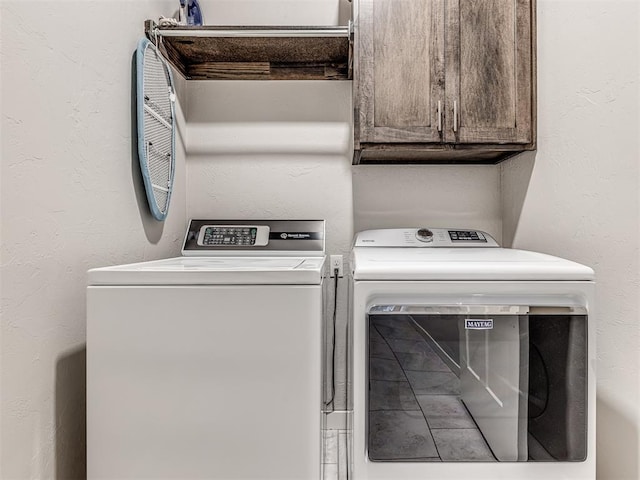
<point>214,271</point>
<point>462,264</point>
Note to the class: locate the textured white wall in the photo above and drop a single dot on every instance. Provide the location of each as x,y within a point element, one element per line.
<point>428,195</point>
<point>71,200</point>
<point>577,197</point>
<point>276,12</point>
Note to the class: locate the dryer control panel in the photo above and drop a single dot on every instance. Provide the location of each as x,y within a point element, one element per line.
<point>424,237</point>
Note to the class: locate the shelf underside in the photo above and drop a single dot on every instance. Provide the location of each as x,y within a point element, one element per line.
<point>408,154</point>
<point>224,57</point>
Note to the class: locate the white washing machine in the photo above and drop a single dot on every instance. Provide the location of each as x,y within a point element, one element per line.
<point>209,365</point>
<point>469,361</point>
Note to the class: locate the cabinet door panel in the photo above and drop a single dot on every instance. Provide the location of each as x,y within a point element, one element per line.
<point>490,45</point>
<point>400,69</point>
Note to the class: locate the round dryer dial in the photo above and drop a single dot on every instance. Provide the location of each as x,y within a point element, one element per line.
<point>424,235</point>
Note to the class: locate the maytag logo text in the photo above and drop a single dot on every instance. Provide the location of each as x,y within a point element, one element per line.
<point>478,324</point>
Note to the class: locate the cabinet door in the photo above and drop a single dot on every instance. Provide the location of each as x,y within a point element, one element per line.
<point>399,78</point>
<point>489,71</point>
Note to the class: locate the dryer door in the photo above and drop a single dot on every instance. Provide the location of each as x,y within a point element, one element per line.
<point>476,383</point>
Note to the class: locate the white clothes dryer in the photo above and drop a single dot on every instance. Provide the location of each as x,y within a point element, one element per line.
<point>209,365</point>
<point>469,361</point>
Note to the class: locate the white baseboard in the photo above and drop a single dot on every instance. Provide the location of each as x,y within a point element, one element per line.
<point>338,420</point>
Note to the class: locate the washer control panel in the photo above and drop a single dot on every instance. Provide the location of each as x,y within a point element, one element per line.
<point>233,235</point>
<point>424,238</point>
<point>254,237</point>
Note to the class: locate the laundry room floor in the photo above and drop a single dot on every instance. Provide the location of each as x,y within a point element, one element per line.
<point>335,454</point>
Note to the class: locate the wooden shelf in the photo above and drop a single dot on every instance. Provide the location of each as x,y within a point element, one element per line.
<point>255,53</point>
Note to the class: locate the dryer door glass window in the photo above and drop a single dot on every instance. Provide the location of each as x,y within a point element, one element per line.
<point>476,384</point>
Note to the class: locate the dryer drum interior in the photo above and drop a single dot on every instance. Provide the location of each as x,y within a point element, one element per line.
<point>476,383</point>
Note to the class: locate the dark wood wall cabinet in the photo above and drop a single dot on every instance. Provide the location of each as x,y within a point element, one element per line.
<point>255,53</point>
<point>443,81</point>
